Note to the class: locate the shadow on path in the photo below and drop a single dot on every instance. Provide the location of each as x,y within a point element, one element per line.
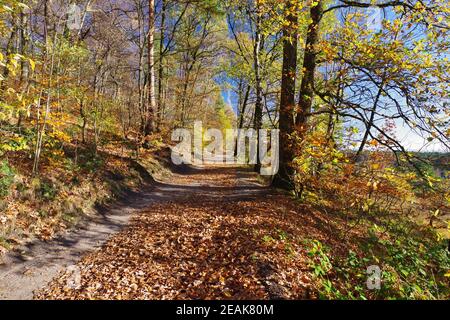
<point>32,266</point>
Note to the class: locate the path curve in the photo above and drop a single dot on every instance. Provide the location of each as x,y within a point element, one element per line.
<point>29,268</point>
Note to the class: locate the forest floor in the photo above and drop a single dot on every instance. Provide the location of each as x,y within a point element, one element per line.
<point>197,233</point>
<point>203,233</point>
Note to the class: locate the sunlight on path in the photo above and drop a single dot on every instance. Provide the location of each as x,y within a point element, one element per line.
<point>202,243</point>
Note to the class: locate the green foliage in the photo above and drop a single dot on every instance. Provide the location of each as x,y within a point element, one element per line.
<point>224,119</point>
<point>321,266</point>
<point>318,160</point>
<point>414,265</point>
<point>47,190</point>
<point>412,268</point>
<point>7,175</point>
<point>90,162</point>
<point>4,243</point>
<point>14,143</point>
<point>320,262</point>
<point>281,240</point>
<point>268,239</point>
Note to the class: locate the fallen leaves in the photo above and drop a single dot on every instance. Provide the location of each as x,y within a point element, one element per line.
<point>201,246</point>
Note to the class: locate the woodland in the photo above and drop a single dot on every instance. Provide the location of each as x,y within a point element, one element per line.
<point>91,91</point>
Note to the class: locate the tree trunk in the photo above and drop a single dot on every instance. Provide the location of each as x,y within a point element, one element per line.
<point>287,103</point>
<point>242,116</point>
<point>45,24</point>
<point>309,68</point>
<point>141,82</point>
<point>22,47</point>
<point>84,124</point>
<point>161,100</point>
<point>41,132</point>
<point>257,65</point>
<point>244,108</point>
<point>149,128</point>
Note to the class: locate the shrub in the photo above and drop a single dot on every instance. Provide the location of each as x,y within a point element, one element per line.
<point>7,175</point>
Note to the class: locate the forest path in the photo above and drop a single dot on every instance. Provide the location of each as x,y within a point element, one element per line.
<point>176,226</point>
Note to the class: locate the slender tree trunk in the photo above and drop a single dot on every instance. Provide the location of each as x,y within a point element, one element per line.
<point>22,47</point>
<point>244,108</point>
<point>84,121</point>
<point>83,20</point>
<point>45,24</point>
<point>142,106</point>
<point>309,68</point>
<point>284,177</point>
<point>184,97</point>
<point>150,121</point>
<point>257,124</point>
<point>41,132</point>
<point>242,116</point>
<point>161,100</point>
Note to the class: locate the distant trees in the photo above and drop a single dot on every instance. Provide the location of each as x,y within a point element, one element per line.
<point>254,50</point>
<point>143,67</point>
<point>124,68</point>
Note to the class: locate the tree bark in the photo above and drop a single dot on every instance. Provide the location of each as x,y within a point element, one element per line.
<point>284,177</point>
<point>41,132</point>
<point>22,47</point>
<point>257,120</point>
<point>309,68</point>
<point>161,100</point>
<point>141,81</point>
<point>243,109</point>
<point>150,121</point>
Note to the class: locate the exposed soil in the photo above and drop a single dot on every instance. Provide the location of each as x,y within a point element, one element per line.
<point>203,233</point>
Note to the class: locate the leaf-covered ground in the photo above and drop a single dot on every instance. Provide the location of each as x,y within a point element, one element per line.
<point>226,238</point>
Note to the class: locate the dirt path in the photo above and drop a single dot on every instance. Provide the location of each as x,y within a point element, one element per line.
<point>31,267</point>
<point>205,233</point>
